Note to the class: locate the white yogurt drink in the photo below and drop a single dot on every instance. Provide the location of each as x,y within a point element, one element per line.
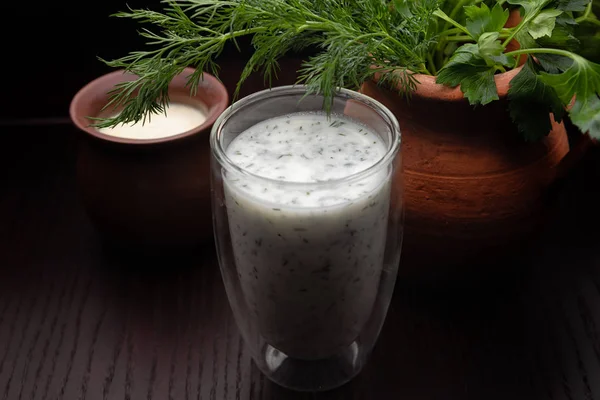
<point>308,248</point>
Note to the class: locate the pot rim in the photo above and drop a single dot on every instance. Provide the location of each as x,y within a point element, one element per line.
<point>104,83</point>
<point>427,87</point>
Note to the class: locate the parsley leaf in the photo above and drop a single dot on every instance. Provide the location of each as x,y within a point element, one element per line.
<point>572,5</point>
<point>482,19</point>
<point>543,24</point>
<point>491,50</point>
<point>476,78</point>
<point>525,40</point>
<point>582,81</point>
<point>529,5</point>
<point>562,37</point>
<point>587,116</point>
<point>473,67</point>
<point>553,63</point>
<point>531,101</point>
<point>589,36</point>
<point>565,19</point>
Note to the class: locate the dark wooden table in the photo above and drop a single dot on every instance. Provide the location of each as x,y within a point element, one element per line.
<point>78,323</point>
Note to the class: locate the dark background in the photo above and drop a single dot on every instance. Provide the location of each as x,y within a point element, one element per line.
<point>75,323</point>
<point>50,51</point>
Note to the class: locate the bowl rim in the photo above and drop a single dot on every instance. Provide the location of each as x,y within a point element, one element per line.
<point>102,84</point>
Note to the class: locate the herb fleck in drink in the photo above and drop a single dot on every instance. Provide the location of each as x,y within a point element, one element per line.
<point>309,257</point>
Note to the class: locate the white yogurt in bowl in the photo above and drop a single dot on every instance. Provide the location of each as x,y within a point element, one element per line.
<point>179,118</point>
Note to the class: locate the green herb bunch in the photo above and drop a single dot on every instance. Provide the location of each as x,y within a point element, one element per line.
<point>462,42</point>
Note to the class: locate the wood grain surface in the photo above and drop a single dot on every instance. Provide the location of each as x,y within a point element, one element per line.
<point>77,322</point>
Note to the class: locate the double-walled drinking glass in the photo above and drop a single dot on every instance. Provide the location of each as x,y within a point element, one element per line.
<point>309,286</point>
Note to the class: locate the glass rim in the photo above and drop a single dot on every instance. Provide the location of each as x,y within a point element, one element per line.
<point>219,152</point>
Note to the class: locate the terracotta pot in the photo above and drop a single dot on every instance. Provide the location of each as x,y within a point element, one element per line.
<point>473,187</point>
<point>147,194</point>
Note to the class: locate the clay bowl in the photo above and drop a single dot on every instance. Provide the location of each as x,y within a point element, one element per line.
<point>154,194</point>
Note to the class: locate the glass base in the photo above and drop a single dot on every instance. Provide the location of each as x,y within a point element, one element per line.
<point>311,375</point>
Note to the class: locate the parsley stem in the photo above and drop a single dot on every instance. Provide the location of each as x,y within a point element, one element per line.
<point>557,52</point>
<point>454,11</point>
<point>593,21</point>
<point>465,38</point>
<point>517,60</point>
<point>440,14</point>
<point>459,38</point>
<point>439,58</point>
<point>424,69</point>
<point>431,64</point>
<point>530,16</point>
<point>448,32</point>
<point>586,14</point>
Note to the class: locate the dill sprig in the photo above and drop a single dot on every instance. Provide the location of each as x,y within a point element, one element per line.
<point>353,36</point>
<point>462,42</point>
